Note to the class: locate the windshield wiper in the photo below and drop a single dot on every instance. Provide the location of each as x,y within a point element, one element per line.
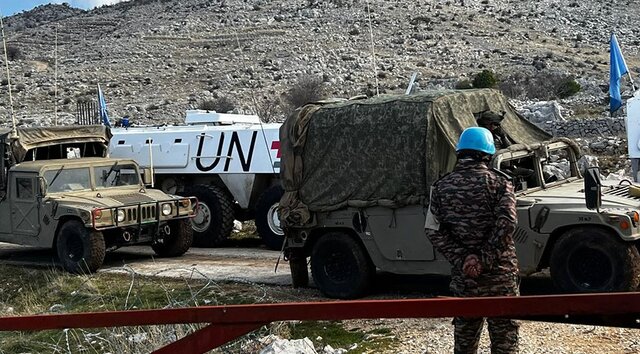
<point>56,175</point>
<point>106,176</point>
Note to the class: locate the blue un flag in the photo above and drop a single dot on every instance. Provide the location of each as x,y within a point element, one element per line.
<point>102,107</point>
<point>618,68</point>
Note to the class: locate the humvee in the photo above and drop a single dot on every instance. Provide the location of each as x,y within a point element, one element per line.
<point>59,190</point>
<point>357,174</point>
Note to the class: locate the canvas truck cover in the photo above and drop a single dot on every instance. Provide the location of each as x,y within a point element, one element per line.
<point>384,151</point>
<point>35,137</point>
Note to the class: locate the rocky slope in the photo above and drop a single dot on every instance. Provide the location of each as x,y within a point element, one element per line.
<point>156,58</point>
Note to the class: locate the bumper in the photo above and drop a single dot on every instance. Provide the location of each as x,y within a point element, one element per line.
<point>143,214</point>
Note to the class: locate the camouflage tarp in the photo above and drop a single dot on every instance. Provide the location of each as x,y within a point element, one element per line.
<point>383,151</point>
<point>36,137</point>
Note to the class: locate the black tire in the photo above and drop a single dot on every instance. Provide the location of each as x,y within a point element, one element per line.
<point>80,250</point>
<point>299,271</point>
<point>214,215</point>
<point>269,229</point>
<point>340,267</point>
<point>177,242</point>
<point>589,259</point>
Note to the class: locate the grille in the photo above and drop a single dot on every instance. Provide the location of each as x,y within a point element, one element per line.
<point>147,213</point>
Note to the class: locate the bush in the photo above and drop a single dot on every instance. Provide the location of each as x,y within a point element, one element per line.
<point>567,88</point>
<point>13,52</point>
<point>541,85</point>
<point>485,79</point>
<point>306,89</point>
<point>220,105</point>
<point>268,109</point>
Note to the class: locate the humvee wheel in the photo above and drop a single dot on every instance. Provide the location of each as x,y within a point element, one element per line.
<point>213,218</point>
<point>79,249</point>
<point>267,221</point>
<point>299,271</point>
<point>177,242</point>
<point>340,267</point>
<point>594,260</point>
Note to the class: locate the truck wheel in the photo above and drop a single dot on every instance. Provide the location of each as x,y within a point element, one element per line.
<point>213,218</point>
<point>267,221</point>
<point>79,249</point>
<point>594,260</point>
<point>299,271</point>
<point>340,267</point>
<point>177,242</point>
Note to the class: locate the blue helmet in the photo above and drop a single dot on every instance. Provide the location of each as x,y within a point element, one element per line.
<point>477,138</point>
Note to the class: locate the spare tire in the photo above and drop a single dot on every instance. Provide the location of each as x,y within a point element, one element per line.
<point>591,259</point>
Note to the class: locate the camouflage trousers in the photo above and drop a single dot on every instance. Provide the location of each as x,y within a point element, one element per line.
<point>502,332</point>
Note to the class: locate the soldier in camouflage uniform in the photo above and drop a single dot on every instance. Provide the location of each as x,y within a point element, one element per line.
<point>471,221</point>
<point>493,121</point>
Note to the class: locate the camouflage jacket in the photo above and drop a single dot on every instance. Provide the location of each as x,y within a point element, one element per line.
<point>476,209</point>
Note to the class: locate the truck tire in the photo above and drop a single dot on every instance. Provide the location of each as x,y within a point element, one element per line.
<point>299,271</point>
<point>213,221</point>
<point>589,259</point>
<point>80,250</point>
<point>177,242</point>
<point>267,222</point>
<point>340,266</point>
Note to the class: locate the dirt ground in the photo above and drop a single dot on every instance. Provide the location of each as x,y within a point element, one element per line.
<point>255,265</point>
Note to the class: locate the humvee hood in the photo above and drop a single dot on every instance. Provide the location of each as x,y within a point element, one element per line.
<point>573,193</point>
<point>97,200</point>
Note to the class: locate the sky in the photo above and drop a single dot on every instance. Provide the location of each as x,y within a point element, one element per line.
<point>10,7</point>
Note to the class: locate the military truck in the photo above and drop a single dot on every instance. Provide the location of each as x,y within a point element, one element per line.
<point>58,189</point>
<point>357,174</point>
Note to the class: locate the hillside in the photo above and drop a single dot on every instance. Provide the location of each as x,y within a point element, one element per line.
<point>156,58</point>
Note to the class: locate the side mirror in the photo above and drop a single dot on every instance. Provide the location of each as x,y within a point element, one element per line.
<point>42,184</point>
<point>147,177</point>
<point>592,188</point>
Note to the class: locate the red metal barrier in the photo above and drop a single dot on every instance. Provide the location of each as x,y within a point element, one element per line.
<point>229,322</point>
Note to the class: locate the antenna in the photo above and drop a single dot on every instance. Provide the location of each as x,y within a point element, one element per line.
<point>14,131</point>
<point>373,52</point>
<point>55,84</point>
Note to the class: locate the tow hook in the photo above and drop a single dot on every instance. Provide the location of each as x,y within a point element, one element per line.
<point>126,236</point>
<point>166,230</point>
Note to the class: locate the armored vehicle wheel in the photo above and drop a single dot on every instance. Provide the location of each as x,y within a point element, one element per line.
<point>267,221</point>
<point>340,267</point>
<point>213,218</point>
<point>79,249</point>
<point>177,242</point>
<point>594,260</point>
<point>299,271</point>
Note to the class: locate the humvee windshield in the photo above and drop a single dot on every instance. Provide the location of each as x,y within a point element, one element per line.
<point>539,168</point>
<point>118,174</point>
<point>67,179</point>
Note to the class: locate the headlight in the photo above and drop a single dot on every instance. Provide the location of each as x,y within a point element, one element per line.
<point>166,209</point>
<point>120,216</point>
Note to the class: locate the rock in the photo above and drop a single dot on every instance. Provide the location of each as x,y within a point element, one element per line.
<point>587,161</point>
<point>540,112</point>
<point>285,346</point>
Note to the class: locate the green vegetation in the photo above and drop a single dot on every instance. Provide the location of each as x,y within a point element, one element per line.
<point>335,335</point>
<point>485,79</point>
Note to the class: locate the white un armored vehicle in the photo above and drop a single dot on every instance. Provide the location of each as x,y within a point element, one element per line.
<point>58,190</point>
<point>230,162</point>
<point>356,176</point>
